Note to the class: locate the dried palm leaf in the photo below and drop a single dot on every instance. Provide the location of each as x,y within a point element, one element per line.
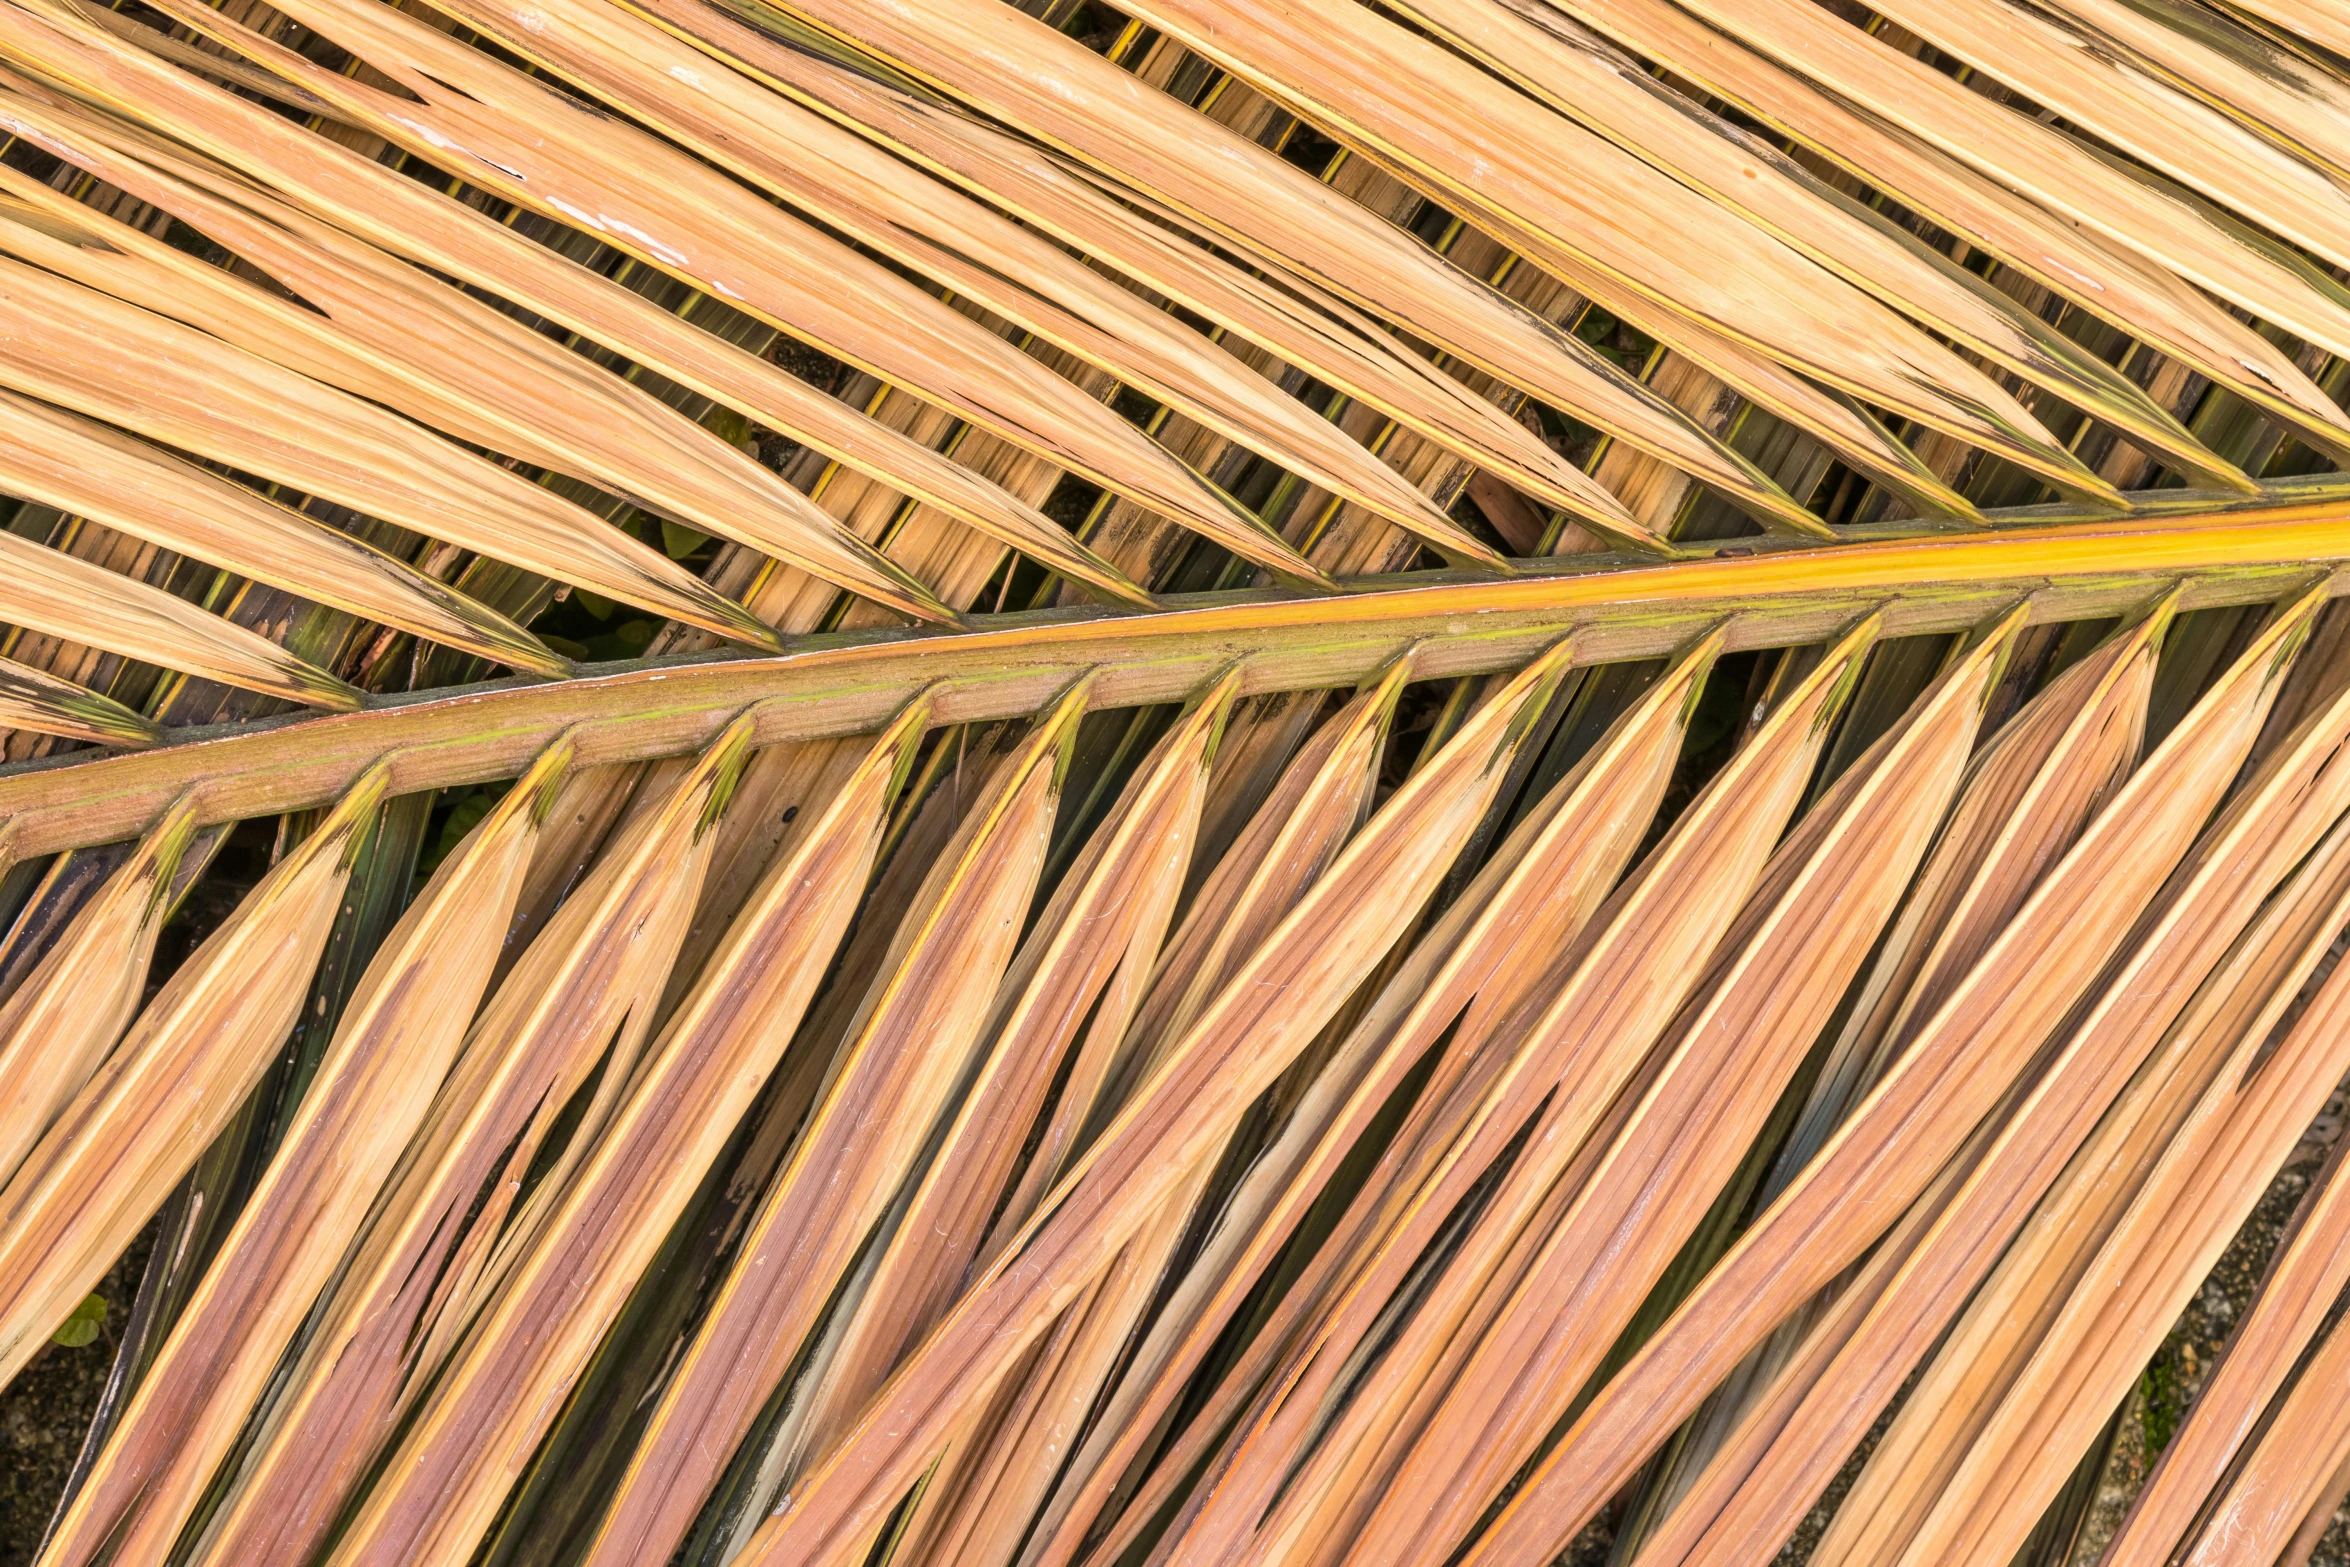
<point>504,1386</point>
<point>411,221</point>
<point>2290,1487</point>
<point>2273,91</point>
<point>2323,22</point>
<point>202,395</point>
<point>2291,1312</point>
<point>1319,953</point>
<point>95,471</point>
<point>1029,76</point>
<point>1243,1072</point>
<point>1560,1049</point>
<point>999,1471</point>
<point>909,1050</point>
<point>1306,818</point>
<point>1494,945</point>
<point>555,156</point>
<point>63,1021</point>
<point>2040,162</point>
<point>37,701</point>
<point>2222,883</point>
<point>573,1012</point>
<point>395,1042</point>
<point>1308,326</point>
<point>1105,925</point>
<point>66,596</point>
<point>1081,968</point>
<point>803,158</point>
<point>2066,62</point>
<point>398,338</point>
<point>2147,302</point>
<point>2029,795</point>
<point>1735,277</point>
<point>2230,1118</point>
<point>1998,1017</point>
<point>1778,974</point>
<point>112,1150</point>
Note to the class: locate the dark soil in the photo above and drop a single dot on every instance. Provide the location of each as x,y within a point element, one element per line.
<point>44,1412</point>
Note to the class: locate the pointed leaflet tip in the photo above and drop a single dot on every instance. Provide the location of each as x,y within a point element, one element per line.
<point>1220,693</point>
<point>905,731</point>
<point>503,642</point>
<point>899,588</point>
<point>2069,474</point>
<point>60,593</point>
<point>2211,470</point>
<point>1251,538</point>
<point>1844,662</point>
<point>1543,674</point>
<point>1386,686</point>
<point>1058,728</point>
<point>732,621</point>
<point>1457,545</point>
<point>352,816</point>
<point>35,699</point>
<point>86,468</point>
<point>108,722</point>
<point>2000,634</point>
<point>1806,525</point>
<point>1650,542</point>
<point>2291,629</point>
<point>1696,661</point>
<point>320,689</point>
<point>543,780</point>
<point>173,831</point>
<point>722,764</point>
<point>2157,615</point>
<point>1095,574</point>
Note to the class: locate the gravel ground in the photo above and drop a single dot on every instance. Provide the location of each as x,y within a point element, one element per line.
<point>2180,1368</point>
<point>44,1412</point>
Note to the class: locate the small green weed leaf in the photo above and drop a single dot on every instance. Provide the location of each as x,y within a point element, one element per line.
<point>82,1326</point>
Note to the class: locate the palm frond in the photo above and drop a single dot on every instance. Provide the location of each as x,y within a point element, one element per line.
<point>1179,785</point>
